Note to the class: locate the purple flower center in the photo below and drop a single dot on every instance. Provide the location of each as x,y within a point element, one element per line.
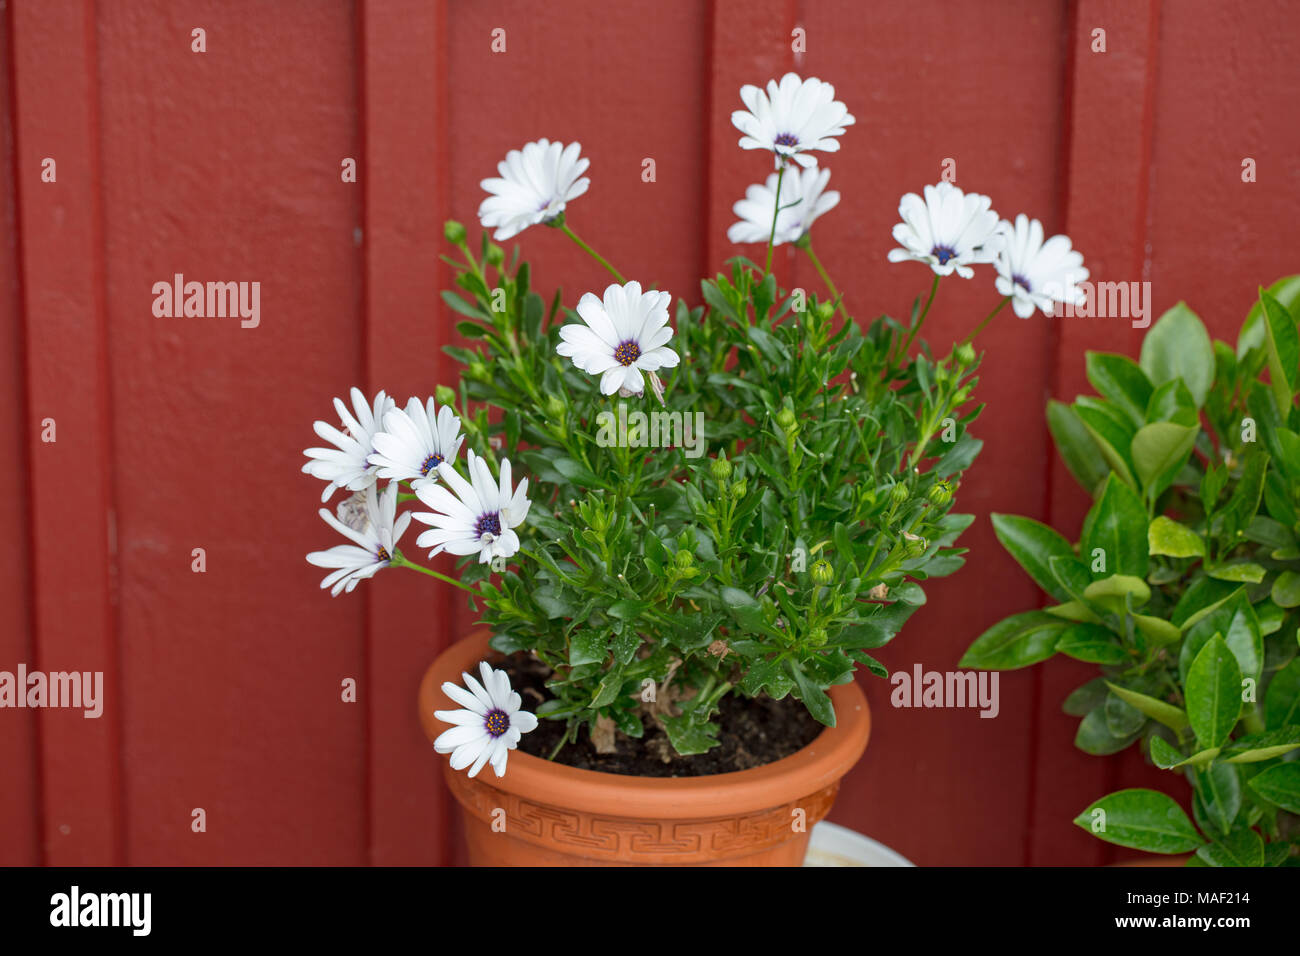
<point>489,523</point>
<point>787,139</point>
<point>943,254</point>
<point>1022,282</point>
<point>497,722</point>
<point>431,463</point>
<point>627,353</point>
<point>382,554</point>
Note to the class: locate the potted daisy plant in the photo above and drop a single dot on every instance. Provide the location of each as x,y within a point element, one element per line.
<point>683,527</point>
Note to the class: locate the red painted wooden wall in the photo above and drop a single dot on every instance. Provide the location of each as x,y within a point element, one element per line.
<point>176,434</point>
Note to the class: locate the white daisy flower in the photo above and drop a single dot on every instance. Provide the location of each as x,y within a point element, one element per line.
<point>1038,274</point>
<point>415,441</point>
<point>534,185</point>
<point>803,200</point>
<point>373,547</point>
<point>791,118</point>
<point>480,517</point>
<point>347,465</point>
<point>949,231</point>
<point>621,337</point>
<point>488,727</point>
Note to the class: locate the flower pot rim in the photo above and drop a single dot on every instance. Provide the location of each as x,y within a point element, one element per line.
<point>820,764</point>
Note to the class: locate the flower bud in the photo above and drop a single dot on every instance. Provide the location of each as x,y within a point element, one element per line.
<point>825,310</point>
<point>554,408</point>
<point>454,232</point>
<point>964,354</point>
<point>720,468</point>
<point>785,418</point>
<point>478,370</point>
<point>816,637</point>
<point>739,489</point>
<point>940,494</point>
<point>495,255</point>
<point>444,396</point>
<point>916,544</point>
<point>683,559</point>
<point>821,572</point>
<point>899,493</point>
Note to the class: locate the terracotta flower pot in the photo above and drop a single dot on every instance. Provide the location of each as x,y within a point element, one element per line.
<point>555,815</point>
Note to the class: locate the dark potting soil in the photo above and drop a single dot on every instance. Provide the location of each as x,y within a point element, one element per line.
<point>751,733</point>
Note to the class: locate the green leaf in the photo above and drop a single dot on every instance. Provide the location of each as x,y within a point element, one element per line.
<point>1122,718</point>
<point>1116,525</point>
<point>1094,735</point>
<point>1213,693</point>
<point>457,304</point>
<point>1234,620</point>
<point>1251,338</point>
<point>1112,432</point>
<point>1283,350</point>
<point>1158,710</point>
<point>688,735</point>
<point>1178,347</point>
<point>1286,589</point>
<point>1219,789</point>
<point>1282,701</point>
<point>1241,847</point>
<point>1119,586</point>
<point>575,472</point>
<point>1279,785</point>
<point>587,647</point>
<point>814,698</point>
<point>1265,746</point>
<point>1159,451</point>
<point>1239,572</point>
<point>1141,820</point>
<point>1076,446</point>
<point>1033,545</point>
<point>1085,697</point>
<point>1091,643</point>
<point>1014,642</point>
<point>1172,402</point>
<point>1168,537</point>
<point>608,688</point>
<point>627,609</point>
<point>1156,629</point>
<point>1120,379</point>
<point>1163,754</point>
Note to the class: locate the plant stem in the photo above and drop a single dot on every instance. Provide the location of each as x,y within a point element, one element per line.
<point>989,318</point>
<point>830,286</point>
<point>564,228</point>
<point>776,212</point>
<point>399,561</point>
<point>907,344</point>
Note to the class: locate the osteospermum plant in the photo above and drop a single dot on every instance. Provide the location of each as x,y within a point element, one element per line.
<point>720,497</point>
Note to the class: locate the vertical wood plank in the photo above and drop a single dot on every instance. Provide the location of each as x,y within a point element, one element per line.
<point>1108,129</point>
<point>225,166</point>
<point>73,555</point>
<point>20,839</point>
<point>404,82</point>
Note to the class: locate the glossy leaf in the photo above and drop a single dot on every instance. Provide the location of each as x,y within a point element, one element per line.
<point>1033,545</point>
<point>1141,820</point>
<point>1177,346</point>
<point>1014,642</point>
<point>1279,785</point>
<point>1168,537</point>
<point>1076,446</point>
<point>1213,693</point>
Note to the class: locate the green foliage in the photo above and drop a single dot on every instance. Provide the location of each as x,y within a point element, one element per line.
<point>1184,587</point>
<point>768,557</point>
